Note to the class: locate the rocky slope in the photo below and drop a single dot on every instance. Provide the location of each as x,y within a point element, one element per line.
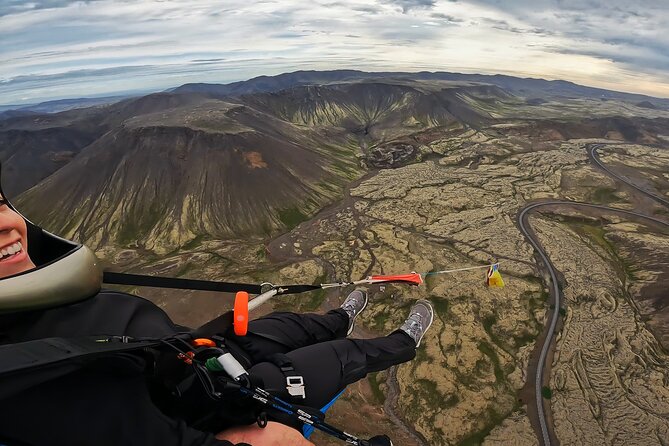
<point>162,182</point>
<point>251,167</point>
<point>381,110</point>
<point>200,187</point>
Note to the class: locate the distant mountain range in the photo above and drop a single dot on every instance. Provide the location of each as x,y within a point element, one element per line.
<point>257,157</point>
<point>527,87</point>
<point>266,84</point>
<point>9,111</point>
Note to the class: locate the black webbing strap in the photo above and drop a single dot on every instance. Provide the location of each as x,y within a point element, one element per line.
<point>283,362</point>
<point>191,284</point>
<point>15,358</point>
<point>171,282</point>
<point>294,382</point>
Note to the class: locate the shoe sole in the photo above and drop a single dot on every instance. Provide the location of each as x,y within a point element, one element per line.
<point>350,330</point>
<point>429,305</point>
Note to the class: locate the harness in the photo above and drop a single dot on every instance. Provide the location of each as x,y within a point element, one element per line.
<point>34,362</point>
<point>215,387</point>
<point>294,382</point>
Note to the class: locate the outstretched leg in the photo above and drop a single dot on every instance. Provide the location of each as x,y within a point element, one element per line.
<point>285,332</point>
<point>327,368</point>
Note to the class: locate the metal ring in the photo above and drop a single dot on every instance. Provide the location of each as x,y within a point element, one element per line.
<point>266,286</point>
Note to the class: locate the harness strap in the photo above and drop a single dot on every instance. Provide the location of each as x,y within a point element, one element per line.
<point>216,326</point>
<point>28,364</point>
<point>113,278</point>
<point>15,358</point>
<point>294,382</point>
<point>170,282</point>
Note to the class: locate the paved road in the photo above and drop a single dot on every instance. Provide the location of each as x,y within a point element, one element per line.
<point>594,157</point>
<point>528,233</point>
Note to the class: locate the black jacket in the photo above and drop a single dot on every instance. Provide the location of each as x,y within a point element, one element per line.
<point>109,404</point>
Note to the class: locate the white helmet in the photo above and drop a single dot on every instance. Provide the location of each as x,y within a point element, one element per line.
<point>65,272</point>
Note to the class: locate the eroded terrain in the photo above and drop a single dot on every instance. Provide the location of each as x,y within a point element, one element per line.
<point>609,371</point>
<point>458,208</point>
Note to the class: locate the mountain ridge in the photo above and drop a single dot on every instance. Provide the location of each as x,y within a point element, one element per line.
<point>167,169</point>
<point>310,77</point>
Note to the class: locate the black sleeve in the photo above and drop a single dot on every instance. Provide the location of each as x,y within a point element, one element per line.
<point>107,313</point>
<point>90,406</point>
<point>86,408</point>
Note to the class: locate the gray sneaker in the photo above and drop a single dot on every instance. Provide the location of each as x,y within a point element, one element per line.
<point>353,306</point>
<point>419,320</point>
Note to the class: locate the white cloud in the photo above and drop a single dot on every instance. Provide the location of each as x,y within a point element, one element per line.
<point>52,46</point>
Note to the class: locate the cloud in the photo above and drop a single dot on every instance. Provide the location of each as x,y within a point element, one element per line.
<point>446,17</point>
<point>51,49</point>
<point>20,6</point>
<point>629,33</point>
<point>408,5</point>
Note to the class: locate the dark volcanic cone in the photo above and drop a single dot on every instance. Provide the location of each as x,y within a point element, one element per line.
<point>160,187</point>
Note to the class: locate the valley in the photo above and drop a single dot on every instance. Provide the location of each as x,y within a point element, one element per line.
<point>335,181</point>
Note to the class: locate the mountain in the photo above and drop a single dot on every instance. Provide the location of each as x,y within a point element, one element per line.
<point>160,180</point>
<point>646,104</point>
<point>169,169</point>
<point>378,108</point>
<point>34,145</point>
<point>166,169</point>
<point>56,106</point>
<point>526,87</point>
<point>264,84</point>
<point>12,113</point>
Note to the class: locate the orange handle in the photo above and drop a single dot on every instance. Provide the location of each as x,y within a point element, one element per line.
<point>203,342</point>
<point>241,313</point>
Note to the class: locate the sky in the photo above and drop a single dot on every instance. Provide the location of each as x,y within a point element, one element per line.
<point>54,49</point>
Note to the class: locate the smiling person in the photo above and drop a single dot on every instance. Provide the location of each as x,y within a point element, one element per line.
<point>51,305</point>
<point>14,257</point>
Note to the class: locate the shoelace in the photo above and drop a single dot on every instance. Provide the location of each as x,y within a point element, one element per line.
<point>349,308</point>
<point>415,326</point>
<point>351,303</point>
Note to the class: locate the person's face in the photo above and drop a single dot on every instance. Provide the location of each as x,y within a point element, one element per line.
<point>14,257</point>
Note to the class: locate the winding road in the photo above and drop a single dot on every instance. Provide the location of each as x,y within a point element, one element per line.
<point>523,224</point>
<point>594,157</point>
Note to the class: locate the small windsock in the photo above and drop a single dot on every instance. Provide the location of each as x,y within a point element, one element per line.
<point>494,277</point>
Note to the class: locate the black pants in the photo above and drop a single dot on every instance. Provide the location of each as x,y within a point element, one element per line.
<point>319,351</point>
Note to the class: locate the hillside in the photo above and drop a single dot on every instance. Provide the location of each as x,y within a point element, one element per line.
<point>527,87</point>
<point>160,186</point>
<point>168,169</point>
